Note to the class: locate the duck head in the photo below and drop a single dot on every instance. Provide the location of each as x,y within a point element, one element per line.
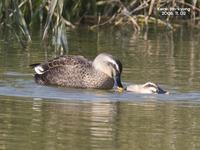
<point>111,66</point>
<point>147,88</point>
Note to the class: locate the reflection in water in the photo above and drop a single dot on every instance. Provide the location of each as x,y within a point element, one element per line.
<point>43,124</point>
<point>165,59</point>
<point>102,119</point>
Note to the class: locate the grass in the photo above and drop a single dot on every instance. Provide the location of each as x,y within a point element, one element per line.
<point>54,16</point>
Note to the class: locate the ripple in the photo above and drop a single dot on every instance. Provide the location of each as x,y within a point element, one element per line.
<point>26,87</point>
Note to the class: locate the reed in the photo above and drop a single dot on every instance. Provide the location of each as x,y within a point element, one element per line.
<point>54,16</point>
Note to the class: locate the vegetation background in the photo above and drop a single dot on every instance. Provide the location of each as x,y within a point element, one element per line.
<point>54,17</point>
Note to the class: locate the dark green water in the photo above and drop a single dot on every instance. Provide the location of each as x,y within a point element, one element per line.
<point>40,117</point>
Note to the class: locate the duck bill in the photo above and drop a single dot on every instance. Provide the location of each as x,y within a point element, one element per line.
<point>161,91</point>
<point>118,83</point>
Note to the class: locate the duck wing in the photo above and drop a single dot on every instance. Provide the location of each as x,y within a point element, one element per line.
<point>67,71</point>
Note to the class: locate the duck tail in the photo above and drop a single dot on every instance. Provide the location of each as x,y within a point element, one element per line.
<point>34,65</point>
<point>38,79</point>
<point>39,69</point>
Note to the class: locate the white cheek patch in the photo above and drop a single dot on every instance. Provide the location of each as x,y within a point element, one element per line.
<point>39,69</point>
<point>113,62</point>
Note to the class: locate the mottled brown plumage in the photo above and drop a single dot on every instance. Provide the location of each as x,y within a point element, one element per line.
<point>78,72</point>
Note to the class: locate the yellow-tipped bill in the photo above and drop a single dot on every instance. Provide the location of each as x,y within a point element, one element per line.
<point>120,89</point>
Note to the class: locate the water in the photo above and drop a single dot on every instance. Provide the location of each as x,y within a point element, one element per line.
<point>41,117</point>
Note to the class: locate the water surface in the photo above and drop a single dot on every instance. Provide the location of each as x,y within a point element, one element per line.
<point>40,117</point>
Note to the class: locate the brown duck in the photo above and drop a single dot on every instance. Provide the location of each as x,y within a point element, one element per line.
<point>79,72</point>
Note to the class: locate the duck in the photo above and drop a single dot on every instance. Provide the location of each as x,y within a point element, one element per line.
<point>147,88</point>
<point>75,71</point>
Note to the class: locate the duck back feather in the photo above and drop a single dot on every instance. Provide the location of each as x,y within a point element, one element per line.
<point>71,71</point>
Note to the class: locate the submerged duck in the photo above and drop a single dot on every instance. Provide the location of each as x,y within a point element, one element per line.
<point>147,88</point>
<point>79,72</point>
